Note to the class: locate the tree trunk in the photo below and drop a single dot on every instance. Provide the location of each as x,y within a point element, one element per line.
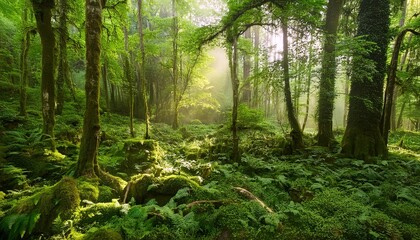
<point>26,41</point>
<point>233,64</point>
<point>308,83</point>
<point>42,10</point>
<point>130,81</point>
<point>362,138</point>
<point>142,69</point>
<point>175,76</point>
<point>296,133</point>
<point>246,90</point>
<point>390,86</point>
<point>63,66</point>
<point>256,84</point>
<point>105,83</point>
<point>327,84</point>
<point>88,163</point>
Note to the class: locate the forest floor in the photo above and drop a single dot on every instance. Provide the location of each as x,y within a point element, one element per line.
<point>182,184</point>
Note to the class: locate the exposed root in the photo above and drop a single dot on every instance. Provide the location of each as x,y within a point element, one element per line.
<point>251,196</point>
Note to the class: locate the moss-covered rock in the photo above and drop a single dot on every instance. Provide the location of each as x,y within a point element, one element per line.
<point>145,187</point>
<point>103,234</point>
<point>140,155</point>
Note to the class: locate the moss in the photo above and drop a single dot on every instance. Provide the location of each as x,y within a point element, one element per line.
<point>96,214</point>
<point>106,194</point>
<point>104,234</point>
<point>41,209</point>
<point>144,187</point>
<point>140,155</point>
<point>88,190</point>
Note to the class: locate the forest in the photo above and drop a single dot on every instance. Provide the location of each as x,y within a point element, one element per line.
<point>210,119</point>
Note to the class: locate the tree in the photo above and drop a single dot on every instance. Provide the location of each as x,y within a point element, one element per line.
<point>296,133</point>
<point>63,76</point>
<point>26,42</point>
<point>362,138</point>
<point>390,86</point>
<point>232,45</point>
<point>42,10</point>
<point>87,164</point>
<point>327,84</point>
<point>142,69</point>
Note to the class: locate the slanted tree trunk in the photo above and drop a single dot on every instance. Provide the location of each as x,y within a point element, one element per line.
<point>362,138</point>
<point>390,86</point>
<point>42,10</point>
<point>142,70</point>
<point>296,133</point>
<point>88,162</point>
<point>327,84</point>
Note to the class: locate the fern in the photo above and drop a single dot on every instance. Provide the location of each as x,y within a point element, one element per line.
<point>17,226</point>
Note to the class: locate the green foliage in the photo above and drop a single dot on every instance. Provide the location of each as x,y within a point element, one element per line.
<point>12,178</point>
<point>40,210</point>
<point>26,142</point>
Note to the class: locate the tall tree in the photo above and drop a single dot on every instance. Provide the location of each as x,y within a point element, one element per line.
<point>328,72</point>
<point>63,76</point>
<point>390,84</point>
<point>232,44</point>
<point>142,69</point>
<point>175,75</point>
<point>88,162</point>
<point>26,42</point>
<point>42,10</point>
<point>296,133</point>
<point>362,138</point>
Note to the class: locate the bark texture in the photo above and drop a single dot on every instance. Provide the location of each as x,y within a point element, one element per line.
<point>88,163</point>
<point>328,72</point>
<point>362,138</point>
<point>42,10</point>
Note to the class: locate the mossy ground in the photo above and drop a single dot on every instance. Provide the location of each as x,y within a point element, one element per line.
<point>314,194</point>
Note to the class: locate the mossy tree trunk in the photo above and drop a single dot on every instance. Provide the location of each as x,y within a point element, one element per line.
<point>63,76</point>
<point>88,163</point>
<point>327,84</point>
<point>232,41</point>
<point>42,10</point>
<point>362,138</point>
<point>296,133</point>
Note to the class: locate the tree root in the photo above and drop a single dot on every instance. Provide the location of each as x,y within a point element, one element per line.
<point>251,196</point>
